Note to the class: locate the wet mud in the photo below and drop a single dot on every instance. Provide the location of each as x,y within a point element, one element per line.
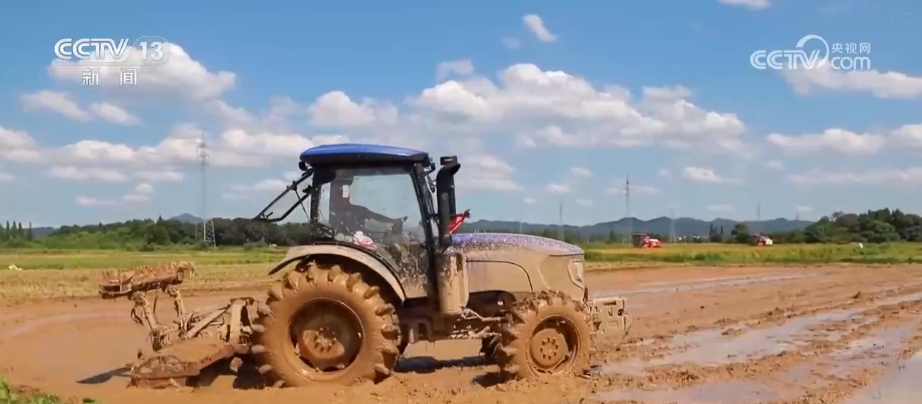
<point>795,335</point>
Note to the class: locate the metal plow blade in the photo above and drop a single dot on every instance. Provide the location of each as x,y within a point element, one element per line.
<point>175,364</point>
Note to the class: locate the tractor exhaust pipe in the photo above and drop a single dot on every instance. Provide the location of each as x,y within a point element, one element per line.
<point>449,273</point>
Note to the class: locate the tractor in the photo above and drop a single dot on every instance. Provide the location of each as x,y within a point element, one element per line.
<point>643,240</point>
<point>383,267</point>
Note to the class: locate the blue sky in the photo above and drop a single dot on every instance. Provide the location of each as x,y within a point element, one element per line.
<point>543,101</point>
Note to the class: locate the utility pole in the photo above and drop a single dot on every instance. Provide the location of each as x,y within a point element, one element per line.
<point>759,214</point>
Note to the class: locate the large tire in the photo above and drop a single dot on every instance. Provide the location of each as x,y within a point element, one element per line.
<point>363,308</point>
<point>547,335</point>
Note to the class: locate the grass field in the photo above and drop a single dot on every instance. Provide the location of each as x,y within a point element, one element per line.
<point>893,253</point>
<point>76,273</point>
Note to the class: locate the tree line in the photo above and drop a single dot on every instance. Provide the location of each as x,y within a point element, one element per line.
<point>877,226</point>
<point>14,231</point>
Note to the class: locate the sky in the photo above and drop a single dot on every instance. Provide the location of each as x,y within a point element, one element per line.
<point>544,102</point>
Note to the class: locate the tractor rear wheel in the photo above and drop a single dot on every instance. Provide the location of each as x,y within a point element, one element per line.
<point>548,335</point>
<point>325,324</point>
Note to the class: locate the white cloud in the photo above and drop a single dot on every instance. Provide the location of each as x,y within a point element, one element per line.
<point>774,165</point>
<point>720,208</point>
<point>57,102</point>
<point>233,148</point>
<point>750,4</point>
<point>664,172</point>
<point>232,116</point>
<point>557,109</point>
<point>511,43</point>
<point>144,189</point>
<point>291,175</point>
<point>114,113</point>
<point>703,174</point>
<point>336,109</point>
<point>908,136</point>
<point>140,194</point>
<point>6,177</point>
<point>135,197</point>
<point>88,201</point>
<point>270,185</point>
<point>912,175</point>
<point>584,202</point>
<point>893,85</point>
<point>17,145</point>
<point>62,104</point>
<point>86,174</point>
<point>581,172</point>
<point>803,208</point>
<point>668,93</point>
<point>536,26</point>
<point>180,76</point>
<point>486,172</point>
<point>163,175</point>
<point>273,144</point>
<point>557,188</point>
<point>530,201</point>
<point>847,143</point>
<point>249,191</point>
<point>838,141</point>
<point>461,67</point>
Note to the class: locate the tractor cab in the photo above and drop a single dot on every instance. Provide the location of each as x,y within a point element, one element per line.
<point>378,198</point>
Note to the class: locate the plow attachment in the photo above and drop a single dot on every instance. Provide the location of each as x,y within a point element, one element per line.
<point>181,350</point>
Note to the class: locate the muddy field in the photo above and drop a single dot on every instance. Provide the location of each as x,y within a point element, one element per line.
<point>701,335</point>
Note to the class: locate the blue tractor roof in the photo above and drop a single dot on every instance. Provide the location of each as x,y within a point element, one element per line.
<point>359,154</point>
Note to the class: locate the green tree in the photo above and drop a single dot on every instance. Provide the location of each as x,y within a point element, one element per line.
<point>740,233</point>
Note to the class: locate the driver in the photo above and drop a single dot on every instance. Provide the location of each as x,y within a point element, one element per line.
<point>346,215</point>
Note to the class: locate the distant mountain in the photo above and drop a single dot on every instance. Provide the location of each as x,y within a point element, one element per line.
<point>684,226</point>
<point>187,218</point>
<point>42,231</point>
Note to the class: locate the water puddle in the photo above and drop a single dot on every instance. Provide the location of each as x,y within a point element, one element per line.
<point>900,385</point>
<point>732,392</point>
<point>33,325</point>
<point>704,280</point>
<point>711,348</point>
<point>705,284</point>
<point>881,345</point>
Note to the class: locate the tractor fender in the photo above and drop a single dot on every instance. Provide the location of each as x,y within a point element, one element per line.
<point>368,261</point>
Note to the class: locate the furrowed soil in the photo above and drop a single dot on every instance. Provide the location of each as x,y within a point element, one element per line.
<point>805,335</point>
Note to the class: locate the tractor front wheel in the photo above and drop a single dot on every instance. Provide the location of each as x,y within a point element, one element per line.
<point>548,335</point>
<point>325,324</point>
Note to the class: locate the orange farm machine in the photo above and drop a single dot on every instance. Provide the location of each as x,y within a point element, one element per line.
<point>643,240</point>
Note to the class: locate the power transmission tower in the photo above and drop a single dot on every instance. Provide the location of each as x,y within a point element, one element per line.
<point>560,221</point>
<point>672,225</point>
<point>207,227</point>
<point>759,215</point>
